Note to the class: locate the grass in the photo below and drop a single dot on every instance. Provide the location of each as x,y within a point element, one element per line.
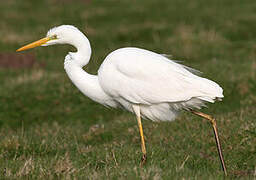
<point>50,130</point>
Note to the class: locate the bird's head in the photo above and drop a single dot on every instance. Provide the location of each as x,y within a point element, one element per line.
<point>58,35</point>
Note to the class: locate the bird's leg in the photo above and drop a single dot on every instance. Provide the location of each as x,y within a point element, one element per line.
<point>214,125</point>
<point>136,110</point>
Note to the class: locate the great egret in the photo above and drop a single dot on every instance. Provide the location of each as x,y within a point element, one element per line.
<point>143,82</point>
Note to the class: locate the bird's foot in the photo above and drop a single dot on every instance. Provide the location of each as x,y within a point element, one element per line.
<point>143,160</point>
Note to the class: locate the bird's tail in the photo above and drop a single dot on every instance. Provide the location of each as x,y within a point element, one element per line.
<point>210,91</point>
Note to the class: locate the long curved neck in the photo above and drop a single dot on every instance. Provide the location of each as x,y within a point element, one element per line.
<point>82,44</point>
<point>88,84</point>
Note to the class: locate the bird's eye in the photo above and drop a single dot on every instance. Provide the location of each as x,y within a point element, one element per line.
<point>53,37</point>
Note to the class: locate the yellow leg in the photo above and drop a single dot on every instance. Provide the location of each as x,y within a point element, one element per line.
<point>214,125</point>
<point>136,110</point>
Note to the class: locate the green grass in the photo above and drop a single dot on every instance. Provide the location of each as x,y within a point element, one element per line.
<point>50,130</point>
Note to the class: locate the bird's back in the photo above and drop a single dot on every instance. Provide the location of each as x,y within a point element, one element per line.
<point>138,76</point>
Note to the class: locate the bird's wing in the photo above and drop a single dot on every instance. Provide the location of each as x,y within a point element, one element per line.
<point>144,77</point>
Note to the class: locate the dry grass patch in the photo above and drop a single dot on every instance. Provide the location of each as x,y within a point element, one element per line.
<point>96,12</point>
<point>67,1</point>
<point>27,168</point>
<point>31,77</point>
<point>124,29</point>
<point>94,130</point>
<point>212,37</point>
<point>26,78</point>
<point>192,40</point>
<point>64,166</point>
<point>9,36</point>
<point>12,142</point>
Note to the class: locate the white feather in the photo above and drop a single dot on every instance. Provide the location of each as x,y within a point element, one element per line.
<point>132,76</point>
<point>143,77</point>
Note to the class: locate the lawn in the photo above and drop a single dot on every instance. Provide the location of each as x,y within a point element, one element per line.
<point>50,130</point>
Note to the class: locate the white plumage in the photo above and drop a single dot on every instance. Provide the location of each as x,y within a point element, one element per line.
<point>133,76</point>
<point>140,81</point>
<point>160,85</point>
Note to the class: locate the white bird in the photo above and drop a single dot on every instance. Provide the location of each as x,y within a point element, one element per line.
<point>143,82</point>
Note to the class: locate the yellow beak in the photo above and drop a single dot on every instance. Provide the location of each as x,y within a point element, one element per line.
<point>34,44</point>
